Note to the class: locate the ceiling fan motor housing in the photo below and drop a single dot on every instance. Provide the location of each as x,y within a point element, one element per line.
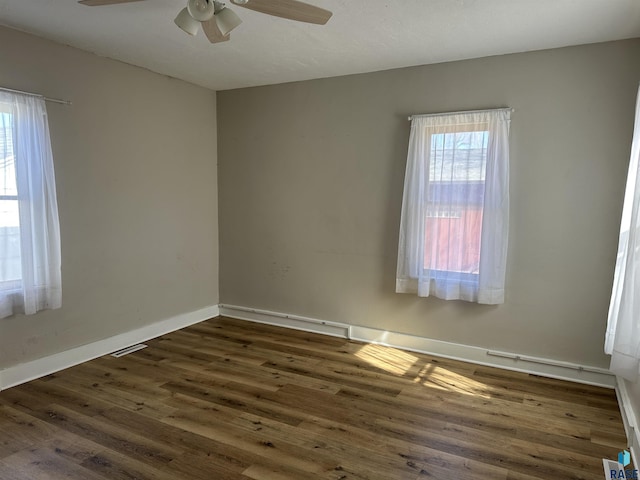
<point>201,10</point>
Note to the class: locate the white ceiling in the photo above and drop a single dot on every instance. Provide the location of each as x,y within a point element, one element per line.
<point>362,36</point>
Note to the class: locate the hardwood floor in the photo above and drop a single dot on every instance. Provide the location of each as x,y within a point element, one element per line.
<point>227,399</point>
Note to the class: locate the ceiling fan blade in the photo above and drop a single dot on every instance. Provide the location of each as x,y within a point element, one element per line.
<point>213,33</point>
<point>97,3</point>
<point>289,9</point>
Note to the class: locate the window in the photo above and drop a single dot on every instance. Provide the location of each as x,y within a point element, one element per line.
<point>453,234</point>
<point>622,339</point>
<point>457,166</point>
<point>29,230</point>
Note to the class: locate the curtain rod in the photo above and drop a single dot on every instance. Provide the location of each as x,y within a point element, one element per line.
<point>411,117</point>
<point>48,99</point>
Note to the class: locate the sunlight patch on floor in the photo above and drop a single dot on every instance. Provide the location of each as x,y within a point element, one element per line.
<point>443,379</point>
<point>392,360</point>
<point>402,363</point>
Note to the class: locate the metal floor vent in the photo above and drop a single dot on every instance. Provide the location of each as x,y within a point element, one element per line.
<point>128,350</point>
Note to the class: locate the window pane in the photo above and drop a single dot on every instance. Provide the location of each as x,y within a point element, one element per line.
<point>7,164</point>
<point>457,168</point>
<point>458,156</point>
<point>452,244</point>
<point>10,267</point>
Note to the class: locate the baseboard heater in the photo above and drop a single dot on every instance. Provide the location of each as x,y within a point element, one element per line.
<point>543,361</point>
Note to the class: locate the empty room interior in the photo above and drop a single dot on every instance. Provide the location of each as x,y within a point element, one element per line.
<point>338,239</point>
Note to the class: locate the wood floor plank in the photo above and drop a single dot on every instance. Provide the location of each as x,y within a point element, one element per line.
<point>50,392</point>
<point>229,399</point>
<point>237,396</point>
<point>411,413</point>
<point>196,447</point>
<point>431,461</point>
<point>543,462</point>
<point>350,458</point>
<point>135,444</point>
<point>130,395</point>
<point>116,466</point>
<point>23,429</point>
<point>47,462</point>
<point>259,471</point>
<point>16,434</point>
<point>345,376</point>
<point>555,417</point>
<point>595,417</point>
<point>287,453</point>
<point>551,388</point>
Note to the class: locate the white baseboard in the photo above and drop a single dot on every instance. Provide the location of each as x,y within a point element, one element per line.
<point>28,371</point>
<point>509,361</point>
<point>285,320</point>
<point>629,418</point>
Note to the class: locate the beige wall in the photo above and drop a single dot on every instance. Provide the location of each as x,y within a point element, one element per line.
<point>311,180</point>
<point>135,161</point>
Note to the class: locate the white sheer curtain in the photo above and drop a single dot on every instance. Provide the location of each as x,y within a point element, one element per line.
<point>455,208</point>
<point>622,339</point>
<point>30,278</point>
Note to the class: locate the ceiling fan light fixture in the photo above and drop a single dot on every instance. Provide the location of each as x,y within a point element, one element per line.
<point>186,22</point>
<point>217,21</point>
<point>201,10</point>
<point>227,20</point>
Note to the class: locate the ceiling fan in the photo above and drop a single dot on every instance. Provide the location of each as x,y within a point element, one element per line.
<point>217,20</point>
